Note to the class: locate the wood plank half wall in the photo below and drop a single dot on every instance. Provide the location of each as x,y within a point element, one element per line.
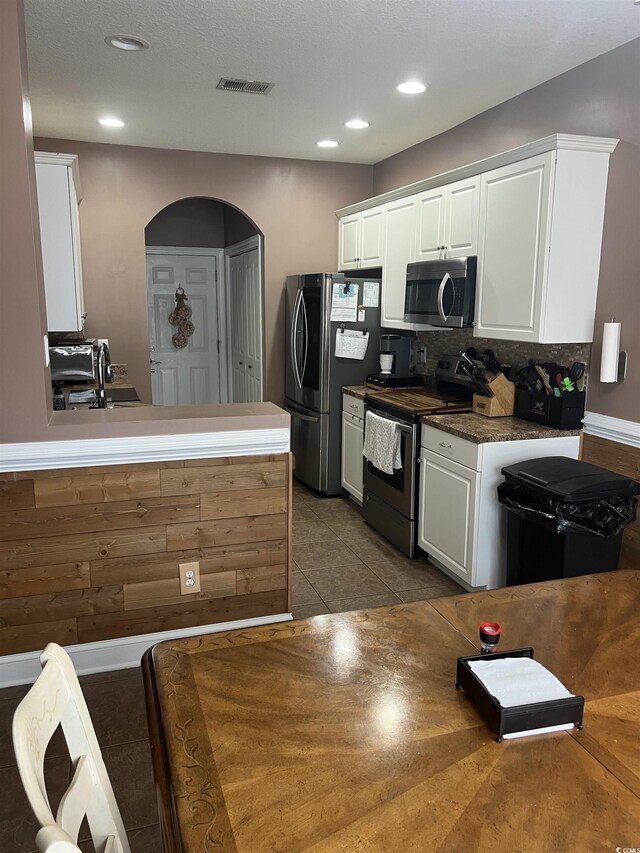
<point>623,459</point>
<point>92,553</point>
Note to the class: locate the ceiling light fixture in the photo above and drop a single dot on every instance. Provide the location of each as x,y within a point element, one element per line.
<point>327,143</point>
<point>124,42</point>
<point>110,122</point>
<point>356,123</point>
<point>411,87</point>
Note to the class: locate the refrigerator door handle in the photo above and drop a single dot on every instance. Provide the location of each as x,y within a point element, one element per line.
<point>306,337</point>
<point>296,414</point>
<point>294,342</point>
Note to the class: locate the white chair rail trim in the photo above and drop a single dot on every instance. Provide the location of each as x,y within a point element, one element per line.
<point>615,429</point>
<point>84,453</point>
<point>121,653</point>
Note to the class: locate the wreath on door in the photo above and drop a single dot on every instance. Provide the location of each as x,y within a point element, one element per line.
<point>180,317</point>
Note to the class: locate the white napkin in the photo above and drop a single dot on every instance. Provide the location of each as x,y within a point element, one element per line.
<point>382,443</point>
<point>518,681</point>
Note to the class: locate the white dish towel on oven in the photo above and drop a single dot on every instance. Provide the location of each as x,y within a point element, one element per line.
<point>382,443</point>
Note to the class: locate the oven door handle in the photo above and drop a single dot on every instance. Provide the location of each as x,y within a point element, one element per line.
<point>445,278</point>
<point>406,429</point>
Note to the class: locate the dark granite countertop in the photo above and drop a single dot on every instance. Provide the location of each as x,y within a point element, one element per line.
<point>355,390</point>
<point>480,429</point>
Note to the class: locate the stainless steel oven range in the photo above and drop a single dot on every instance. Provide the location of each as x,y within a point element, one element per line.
<point>389,501</point>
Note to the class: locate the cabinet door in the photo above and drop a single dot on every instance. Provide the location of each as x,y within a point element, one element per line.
<point>447,513</point>
<point>461,218</point>
<point>371,247</point>
<point>58,213</point>
<point>349,242</point>
<point>512,250</point>
<point>431,224</point>
<point>399,250</point>
<point>352,440</point>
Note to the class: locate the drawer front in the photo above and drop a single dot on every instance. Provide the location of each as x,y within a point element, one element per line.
<point>352,405</point>
<point>451,447</point>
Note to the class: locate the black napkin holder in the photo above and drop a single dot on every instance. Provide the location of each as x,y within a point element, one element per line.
<point>518,718</point>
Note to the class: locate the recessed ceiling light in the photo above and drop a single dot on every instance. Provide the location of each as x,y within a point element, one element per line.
<point>328,143</point>
<point>123,42</point>
<point>411,87</point>
<point>356,123</point>
<point>110,122</point>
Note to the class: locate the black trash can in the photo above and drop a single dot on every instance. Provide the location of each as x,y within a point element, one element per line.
<point>566,518</point>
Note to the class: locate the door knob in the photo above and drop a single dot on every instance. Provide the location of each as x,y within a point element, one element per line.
<point>153,361</point>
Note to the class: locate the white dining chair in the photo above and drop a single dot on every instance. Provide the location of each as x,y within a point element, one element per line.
<point>56,698</point>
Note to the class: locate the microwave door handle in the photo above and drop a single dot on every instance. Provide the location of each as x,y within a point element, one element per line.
<point>445,278</point>
<point>294,339</point>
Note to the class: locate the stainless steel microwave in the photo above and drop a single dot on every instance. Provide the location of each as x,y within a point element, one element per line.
<point>441,293</point>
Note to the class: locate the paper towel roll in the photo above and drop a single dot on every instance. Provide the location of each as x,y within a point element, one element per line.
<point>610,352</point>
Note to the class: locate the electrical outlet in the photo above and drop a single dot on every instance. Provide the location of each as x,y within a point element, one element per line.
<point>189,577</point>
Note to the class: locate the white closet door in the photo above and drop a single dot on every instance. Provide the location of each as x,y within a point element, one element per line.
<point>245,327</point>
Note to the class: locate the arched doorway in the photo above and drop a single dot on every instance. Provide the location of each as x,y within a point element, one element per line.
<point>205,256</point>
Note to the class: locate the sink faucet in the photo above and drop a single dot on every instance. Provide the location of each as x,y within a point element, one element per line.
<point>105,374</point>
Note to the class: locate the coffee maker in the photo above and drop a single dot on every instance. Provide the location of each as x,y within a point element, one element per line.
<point>397,362</point>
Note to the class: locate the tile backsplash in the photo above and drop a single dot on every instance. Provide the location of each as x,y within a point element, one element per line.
<point>515,353</point>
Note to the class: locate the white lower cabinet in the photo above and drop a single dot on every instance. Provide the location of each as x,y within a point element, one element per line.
<point>352,441</point>
<point>461,525</point>
<point>448,536</point>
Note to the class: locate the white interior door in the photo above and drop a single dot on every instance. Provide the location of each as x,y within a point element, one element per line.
<point>188,376</point>
<point>244,300</point>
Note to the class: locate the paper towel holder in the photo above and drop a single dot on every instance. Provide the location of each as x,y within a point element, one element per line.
<point>622,361</point>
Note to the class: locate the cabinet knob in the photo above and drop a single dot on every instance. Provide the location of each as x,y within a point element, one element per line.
<point>448,446</point>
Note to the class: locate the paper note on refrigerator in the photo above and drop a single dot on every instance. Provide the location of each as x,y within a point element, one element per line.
<point>344,302</point>
<point>350,343</point>
<point>371,294</point>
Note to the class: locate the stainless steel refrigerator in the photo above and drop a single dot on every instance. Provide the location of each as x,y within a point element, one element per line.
<point>315,376</point>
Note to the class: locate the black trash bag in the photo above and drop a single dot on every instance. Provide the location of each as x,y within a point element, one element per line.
<point>599,516</point>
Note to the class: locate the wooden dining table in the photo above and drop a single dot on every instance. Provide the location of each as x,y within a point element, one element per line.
<point>345,732</point>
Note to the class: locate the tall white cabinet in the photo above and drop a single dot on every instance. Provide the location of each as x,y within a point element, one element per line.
<point>58,189</point>
<point>538,270</point>
<point>399,250</point>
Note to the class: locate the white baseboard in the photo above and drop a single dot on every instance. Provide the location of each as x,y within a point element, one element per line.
<point>615,429</point>
<point>121,653</point>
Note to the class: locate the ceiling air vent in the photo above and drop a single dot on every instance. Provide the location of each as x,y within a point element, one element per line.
<point>250,87</point>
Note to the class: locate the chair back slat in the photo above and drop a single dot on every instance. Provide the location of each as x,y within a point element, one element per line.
<point>56,699</point>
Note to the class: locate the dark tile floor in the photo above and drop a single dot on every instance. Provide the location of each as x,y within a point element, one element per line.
<point>116,705</point>
<point>340,564</point>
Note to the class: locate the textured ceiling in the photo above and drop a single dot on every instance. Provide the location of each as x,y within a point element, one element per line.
<point>330,60</point>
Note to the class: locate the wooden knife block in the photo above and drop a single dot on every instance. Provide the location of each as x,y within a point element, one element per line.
<point>501,404</point>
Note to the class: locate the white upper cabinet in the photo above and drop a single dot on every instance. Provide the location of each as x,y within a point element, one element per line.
<point>448,221</point>
<point>57,188</point>
<point>533,216</point>
<point>399,250</point>
<point>539,249</point>
<point>361,240</point>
